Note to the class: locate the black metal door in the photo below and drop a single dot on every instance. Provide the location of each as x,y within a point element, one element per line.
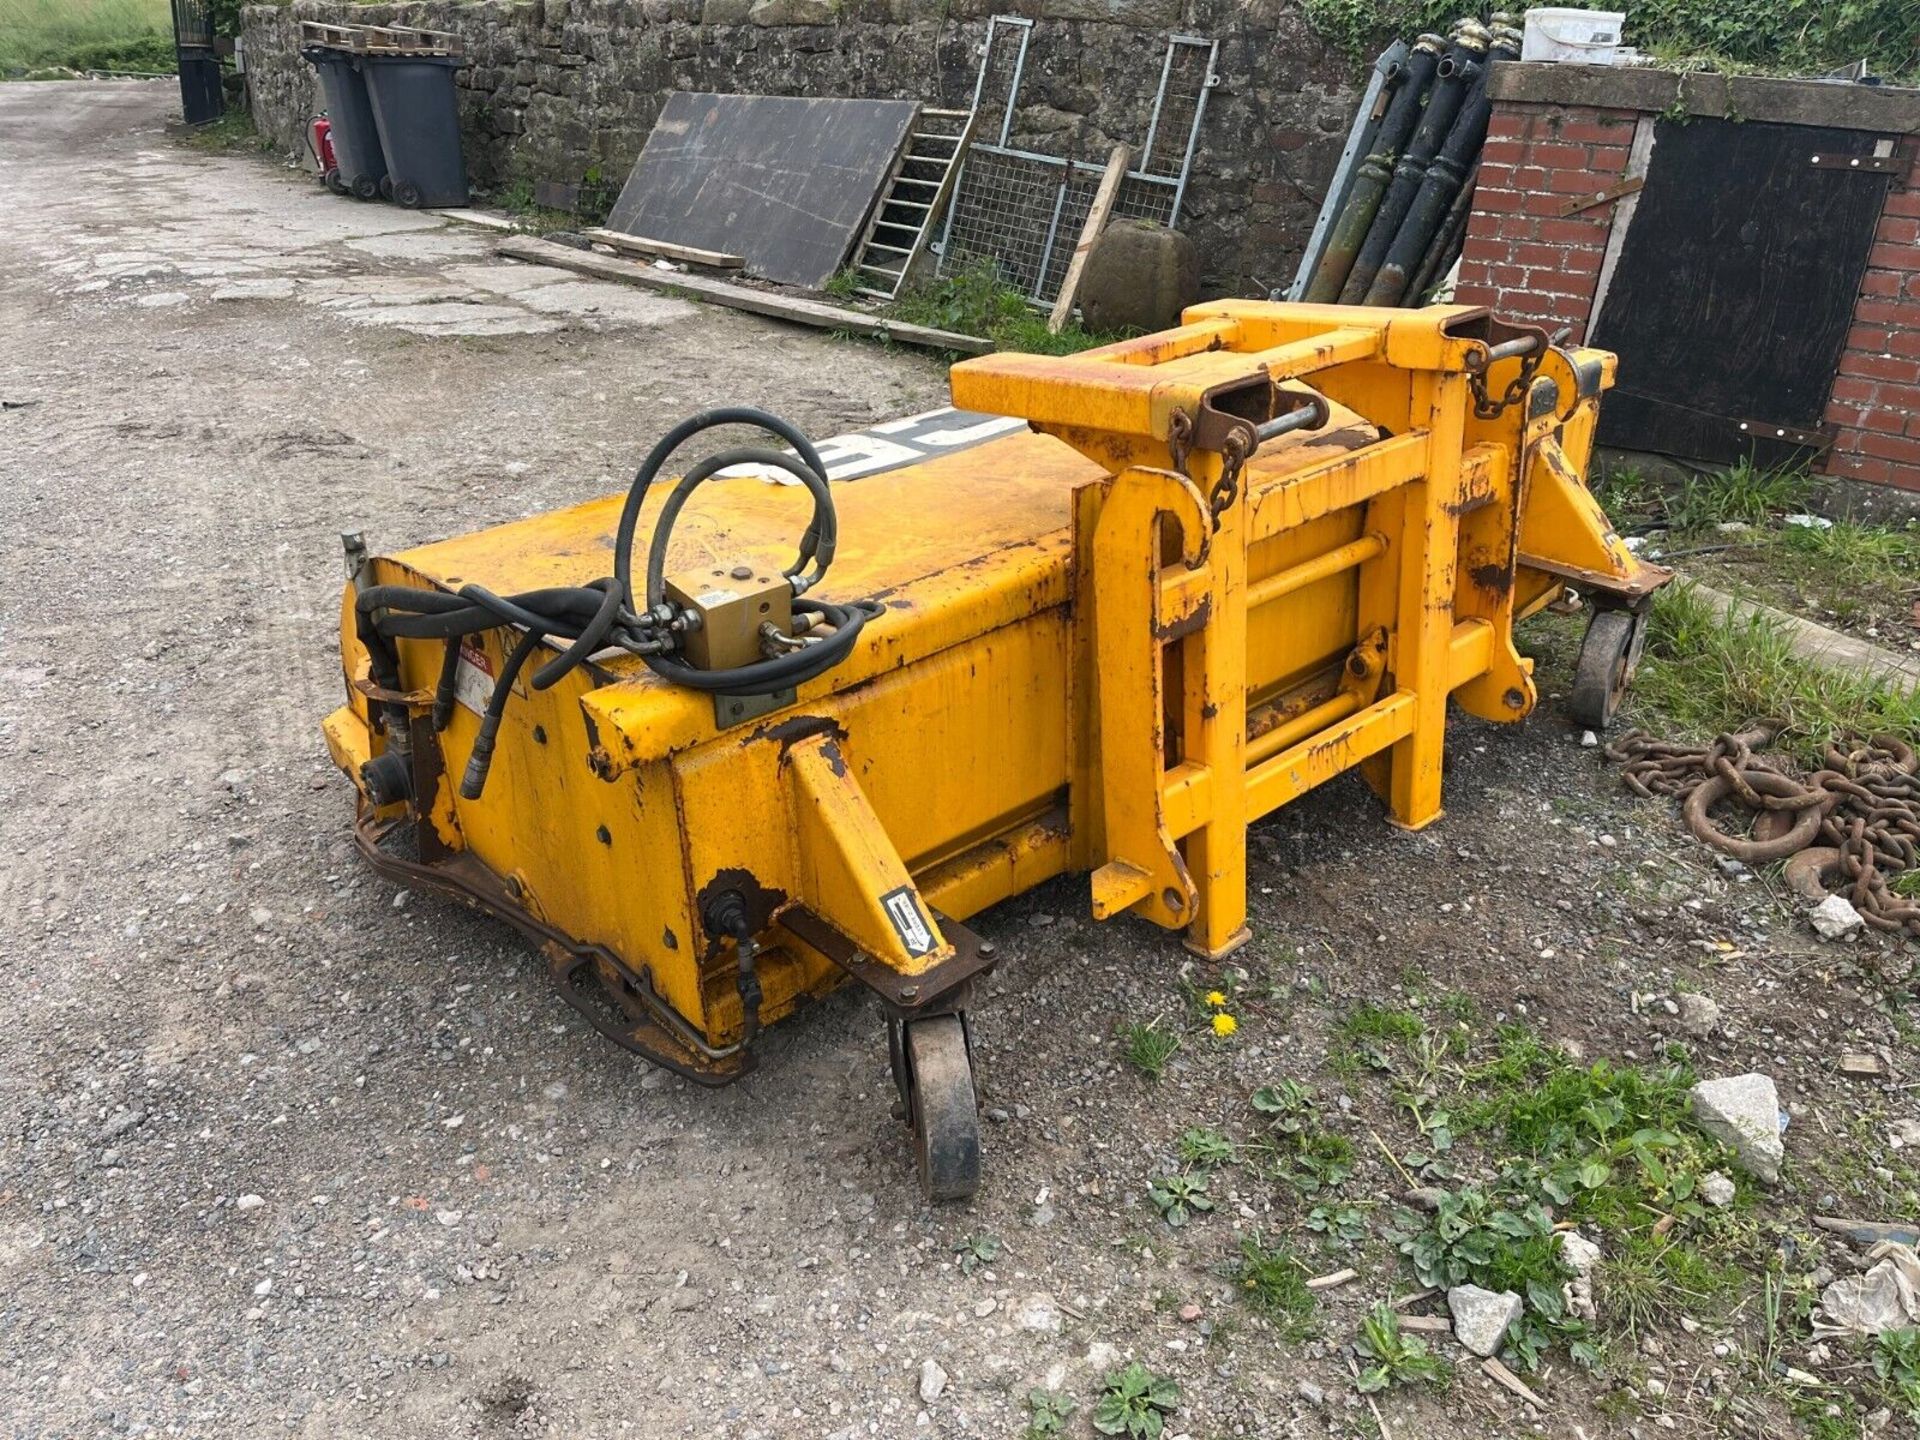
<point>1734,289</point>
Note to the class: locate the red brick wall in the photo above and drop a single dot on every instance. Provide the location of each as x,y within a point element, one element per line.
<point>1876,396</point>
<point>1524,258</point>
<point>1531,264</point>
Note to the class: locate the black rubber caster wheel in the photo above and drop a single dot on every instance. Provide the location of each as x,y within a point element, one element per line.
<point>386,187</point>
<point>942,1107</point>
<point>1608,657</point>
<point>336,182</point>
<point>365,187</point>
<point>408,194</point>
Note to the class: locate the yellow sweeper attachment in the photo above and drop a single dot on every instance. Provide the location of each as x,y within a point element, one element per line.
<point>1221,565</point>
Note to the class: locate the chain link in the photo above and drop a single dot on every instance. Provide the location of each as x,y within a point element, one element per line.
<point>1489,409</point>
<point>1843,830</point>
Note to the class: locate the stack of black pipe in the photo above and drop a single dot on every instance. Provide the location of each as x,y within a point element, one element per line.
<point>1406,215</point>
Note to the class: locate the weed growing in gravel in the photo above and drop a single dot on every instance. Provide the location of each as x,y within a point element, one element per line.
<point>975,1251</point>
<point>1135,1402</point>
<point>1367,1036</point>
<point>1342,1223</point>
<point>1177,1197</point>
<point>1047,1412</point>
<point>1148,1045</point>
<point>1743,492</point>
<point>1896,1363</point>
<point>1275,1284</point>
<point>1397,1358</point>
<point>1289,1105</point>
<point>1206,1149</point>
<point>1649,1279</point>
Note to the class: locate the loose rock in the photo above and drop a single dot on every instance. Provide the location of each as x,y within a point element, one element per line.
<point>1481,1317</point>
<point>1716,1189</point>
<point>1834,918</point>
<point>933,1381</point>
<point>1038,1313</point>
<point>1743,1111</point>
<point>1699,1015</point>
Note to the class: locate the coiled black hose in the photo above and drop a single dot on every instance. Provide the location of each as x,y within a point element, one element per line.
<point>604,613</point>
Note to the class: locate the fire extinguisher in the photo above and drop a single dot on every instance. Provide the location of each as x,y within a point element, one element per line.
<point>320,142</point>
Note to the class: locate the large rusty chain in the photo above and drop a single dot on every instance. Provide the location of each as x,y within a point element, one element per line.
<point>1488,408</point>
<point>1844,830</point>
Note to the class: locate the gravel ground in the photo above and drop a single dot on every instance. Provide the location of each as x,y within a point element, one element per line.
<point>288,1152</point>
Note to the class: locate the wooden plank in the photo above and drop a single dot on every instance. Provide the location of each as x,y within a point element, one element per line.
<point>664,249</point>
<point>736,297</point>
<point>1097,214</point>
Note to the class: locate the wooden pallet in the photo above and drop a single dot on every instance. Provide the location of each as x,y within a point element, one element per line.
<point>408,40</point>
<point>334,37</point>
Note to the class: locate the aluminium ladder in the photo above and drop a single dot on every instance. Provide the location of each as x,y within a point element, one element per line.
<point>916,194</point>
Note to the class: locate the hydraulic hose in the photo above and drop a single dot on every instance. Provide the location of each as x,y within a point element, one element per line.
<point>608,613</point>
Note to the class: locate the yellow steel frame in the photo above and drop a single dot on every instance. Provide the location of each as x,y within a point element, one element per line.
<point>1177,779</point>
<point>1109,655</point>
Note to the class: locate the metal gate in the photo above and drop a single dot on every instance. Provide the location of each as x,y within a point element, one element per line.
<point>201,96</point>
<point>1023,210</point>
<point>1734,288</point>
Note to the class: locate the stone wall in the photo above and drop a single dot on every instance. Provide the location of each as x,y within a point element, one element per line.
<point>557,87</point>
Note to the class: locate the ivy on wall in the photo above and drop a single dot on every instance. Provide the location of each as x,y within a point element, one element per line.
<point>1790,37</point>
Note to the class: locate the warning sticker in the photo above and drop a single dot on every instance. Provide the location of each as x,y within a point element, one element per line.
<point>903,909</point>
<point>473,677</point>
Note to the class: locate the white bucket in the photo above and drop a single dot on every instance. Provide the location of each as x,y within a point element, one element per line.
<point>1586,37</point>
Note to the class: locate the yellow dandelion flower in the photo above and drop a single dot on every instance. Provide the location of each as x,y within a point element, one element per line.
<point>1216,999</point>
<point>1224,1024</point>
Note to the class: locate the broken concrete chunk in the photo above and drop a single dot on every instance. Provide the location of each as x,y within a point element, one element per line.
<point>1834,918</point>
<point>1743,1113</point>
<point>1481,1317</point>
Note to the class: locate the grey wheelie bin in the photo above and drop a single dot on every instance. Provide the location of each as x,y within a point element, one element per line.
<point>418,114</point>
<point>360,165</point>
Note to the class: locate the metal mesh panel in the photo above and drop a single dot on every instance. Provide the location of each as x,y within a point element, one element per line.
<point>1002,212</point>
<point>1023,212</point>
<point>1187,65</point>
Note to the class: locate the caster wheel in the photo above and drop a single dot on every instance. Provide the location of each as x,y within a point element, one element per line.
<point>386,187</point>
<point>408,194</point>
<point>1608,657</point>
<point>365,187</point>
<point>336,182</point>
<point>941,1106</point>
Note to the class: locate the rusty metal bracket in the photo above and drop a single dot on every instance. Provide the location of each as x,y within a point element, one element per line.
<point>1821,439</point>
<point>1859,164</point>
<point>650,1029</point>
<point>1617,191</point>
<point>903,996</point>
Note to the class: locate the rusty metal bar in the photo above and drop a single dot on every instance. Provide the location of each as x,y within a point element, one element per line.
<point>1307,722</point>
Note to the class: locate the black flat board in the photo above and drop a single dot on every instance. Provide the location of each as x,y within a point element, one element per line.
<point>1735,287</point>
<point>784,182</point>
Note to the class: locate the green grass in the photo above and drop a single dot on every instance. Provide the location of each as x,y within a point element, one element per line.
<point>974,301</point>
<point>1743,493</point>
<point>232,131</point>
<point>1273,1282</point>
<point>1147,1046</point>
<point>85,35</point>
<point>1704,673</point>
